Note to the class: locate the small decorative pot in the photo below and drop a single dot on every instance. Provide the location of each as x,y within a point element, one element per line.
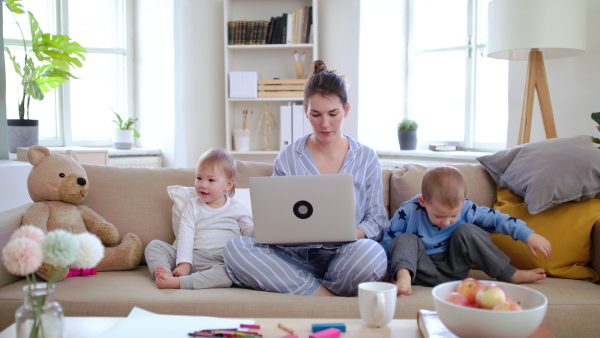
<point>22,133</point>
<point>407,139</point>
<point>39,316</point>
<point>123,139</point>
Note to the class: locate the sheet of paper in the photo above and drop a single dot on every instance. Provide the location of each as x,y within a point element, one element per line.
<point>142,323</point>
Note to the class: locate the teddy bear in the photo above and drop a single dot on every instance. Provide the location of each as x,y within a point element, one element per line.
<point>57,184</point>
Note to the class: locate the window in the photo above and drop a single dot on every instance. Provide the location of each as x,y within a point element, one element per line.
<point>79,112</point>
<point>455,92</point>
<point>428,60</point>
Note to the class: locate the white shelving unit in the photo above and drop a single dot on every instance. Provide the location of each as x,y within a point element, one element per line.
<point>269,61</point>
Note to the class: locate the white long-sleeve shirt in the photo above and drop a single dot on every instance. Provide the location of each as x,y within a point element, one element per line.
<point>208,229</point>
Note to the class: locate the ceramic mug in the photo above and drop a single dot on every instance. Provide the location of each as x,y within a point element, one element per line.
<point>377,303</point>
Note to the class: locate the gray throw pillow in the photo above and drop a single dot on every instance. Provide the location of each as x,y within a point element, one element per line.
<point>549,172</point>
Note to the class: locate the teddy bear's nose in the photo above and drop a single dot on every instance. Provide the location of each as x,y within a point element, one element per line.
<point>81,181</point>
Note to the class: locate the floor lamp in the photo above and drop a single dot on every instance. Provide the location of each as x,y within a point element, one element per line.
<point>533,30</point>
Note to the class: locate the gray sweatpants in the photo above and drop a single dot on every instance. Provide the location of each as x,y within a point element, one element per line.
<point>207,271</point>
<point>469,245</point>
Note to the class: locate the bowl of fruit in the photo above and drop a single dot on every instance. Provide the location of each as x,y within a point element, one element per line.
<point>474,308</point>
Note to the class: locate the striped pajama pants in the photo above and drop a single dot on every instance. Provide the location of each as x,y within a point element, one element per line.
<point>302,270</point>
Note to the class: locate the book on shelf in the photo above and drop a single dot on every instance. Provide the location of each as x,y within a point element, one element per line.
<point>442,147</point>
<point>289,28</point>
<point>270,30</point>
<point>304,25</point>
<point>309,28</point>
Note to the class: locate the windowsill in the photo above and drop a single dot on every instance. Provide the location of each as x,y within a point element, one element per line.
<point>424,156</point>
<point>112,152</point>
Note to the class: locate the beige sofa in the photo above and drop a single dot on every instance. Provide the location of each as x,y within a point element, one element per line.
<point>135,200</point>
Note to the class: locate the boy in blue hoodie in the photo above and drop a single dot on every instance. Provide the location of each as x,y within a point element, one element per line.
<point>437,235</point>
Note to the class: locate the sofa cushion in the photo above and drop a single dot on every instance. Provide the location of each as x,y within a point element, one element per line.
<point>181,195</point>
<point>531,171</point>
<point>568,227</point>
<point>406,180</point>
<point>142,205</point>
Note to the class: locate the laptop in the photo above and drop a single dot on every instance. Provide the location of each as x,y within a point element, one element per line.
<point>307,209</point>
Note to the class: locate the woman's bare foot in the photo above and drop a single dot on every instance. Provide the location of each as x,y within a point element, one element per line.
<point>164,279</point>
<point>403,282</point>
<point>323,291</point>
<point>528,276</point>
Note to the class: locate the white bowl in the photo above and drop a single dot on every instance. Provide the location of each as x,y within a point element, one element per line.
<point>468,322</point>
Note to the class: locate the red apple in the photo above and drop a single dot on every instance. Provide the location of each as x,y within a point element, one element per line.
<point>508,306</point>
<point>490,296</point>
<point>457,298</point>
<point>469,288</point>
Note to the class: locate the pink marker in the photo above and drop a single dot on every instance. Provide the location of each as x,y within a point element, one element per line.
<point>250,326</point>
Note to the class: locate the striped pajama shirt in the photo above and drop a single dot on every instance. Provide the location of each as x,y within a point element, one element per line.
<point>303,269</point>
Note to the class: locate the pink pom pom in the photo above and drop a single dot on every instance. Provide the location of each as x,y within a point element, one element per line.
<point>22,256</point>
<point>29,231</point>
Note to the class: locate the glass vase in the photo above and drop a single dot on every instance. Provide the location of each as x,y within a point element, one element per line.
<point>39,316</point>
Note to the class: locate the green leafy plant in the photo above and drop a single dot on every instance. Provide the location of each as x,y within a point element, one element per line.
<point>126,124</point>
<point>408,125</point>
<point>596,117</point>
<point>48,59</point>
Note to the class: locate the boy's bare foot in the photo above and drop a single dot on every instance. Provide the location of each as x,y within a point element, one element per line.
<point>528,276</point>
<point>403,282</point>
<point>164,279</point>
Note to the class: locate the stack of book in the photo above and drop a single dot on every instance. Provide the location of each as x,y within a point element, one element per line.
<point>289,28</point>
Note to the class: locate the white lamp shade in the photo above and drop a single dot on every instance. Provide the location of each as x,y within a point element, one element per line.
<point>555,27</point>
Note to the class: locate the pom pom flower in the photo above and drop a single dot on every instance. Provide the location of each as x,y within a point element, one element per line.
<point>91,251</point>
<point>60,248</point>
<point>22,256</point>
<point>29,231</point>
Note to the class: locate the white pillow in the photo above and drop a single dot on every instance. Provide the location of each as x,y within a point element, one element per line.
<point>181,195</point>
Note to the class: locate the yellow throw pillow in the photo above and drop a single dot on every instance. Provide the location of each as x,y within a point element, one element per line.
<point>567,226</point>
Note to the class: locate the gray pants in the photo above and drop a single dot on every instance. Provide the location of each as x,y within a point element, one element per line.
<point>207,271</point>
<point>469,245</point>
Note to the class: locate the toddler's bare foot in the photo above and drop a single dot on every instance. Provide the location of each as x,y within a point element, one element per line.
<point>403,282</point>
<point>164,279</point>
<point>528,276</point>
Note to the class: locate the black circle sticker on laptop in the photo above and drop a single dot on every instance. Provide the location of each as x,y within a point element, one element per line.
<point>303,209</point>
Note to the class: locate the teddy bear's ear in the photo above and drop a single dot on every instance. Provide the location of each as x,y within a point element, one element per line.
<point>71,153</point>
<point>35,154</point>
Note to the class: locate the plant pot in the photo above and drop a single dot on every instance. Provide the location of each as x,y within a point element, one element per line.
<point>407,139</point>
<point>123,139</point>
<point>22,133</point>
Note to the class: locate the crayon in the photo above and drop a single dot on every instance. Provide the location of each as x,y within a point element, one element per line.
<point>286,329</point>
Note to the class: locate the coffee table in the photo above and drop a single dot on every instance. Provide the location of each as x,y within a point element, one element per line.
<point>88,327</point>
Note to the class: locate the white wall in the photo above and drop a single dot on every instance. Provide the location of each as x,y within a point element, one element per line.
<point>338,47</point>
<point>574,89</point>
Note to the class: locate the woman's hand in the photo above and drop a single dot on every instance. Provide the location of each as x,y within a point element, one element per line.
<point>360,234</point>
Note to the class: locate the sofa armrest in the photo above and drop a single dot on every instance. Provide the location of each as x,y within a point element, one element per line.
<point>10,220</point>
<point>595,263</point>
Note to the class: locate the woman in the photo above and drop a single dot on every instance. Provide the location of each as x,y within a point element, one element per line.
<point>321,270</point>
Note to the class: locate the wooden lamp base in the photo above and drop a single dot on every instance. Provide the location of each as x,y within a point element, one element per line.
<point>536,80</point>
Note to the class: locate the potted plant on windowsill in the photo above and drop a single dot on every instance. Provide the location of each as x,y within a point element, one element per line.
<point>123,137</point>
<point>407,134</point>
<point>47,63</point>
